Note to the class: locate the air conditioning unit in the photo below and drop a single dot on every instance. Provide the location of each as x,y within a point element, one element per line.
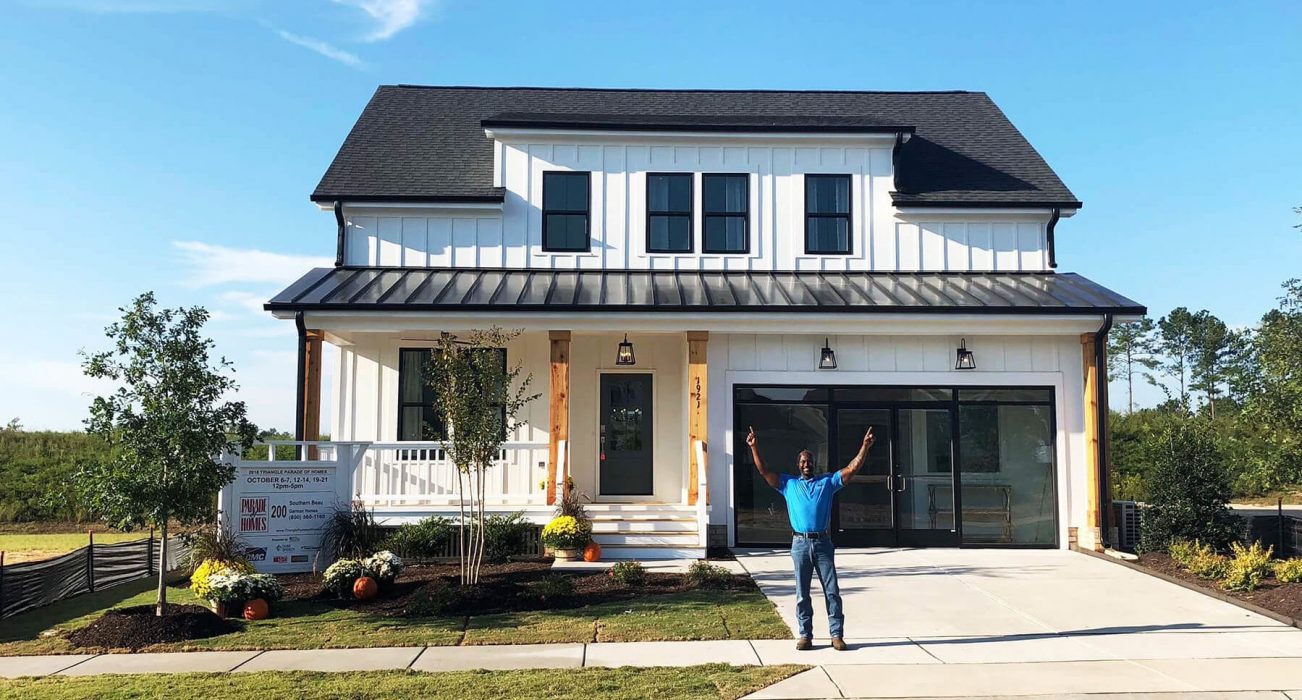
<point>1127,516</point>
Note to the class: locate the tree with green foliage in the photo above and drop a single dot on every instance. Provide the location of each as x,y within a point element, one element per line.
<point>1216,353</point>
<point>1275,397</point>
<point>1189,489</point>
<point>479,399</point>
<point>1130,353</point>
<point>1175,344</point>
<point>168,429</point>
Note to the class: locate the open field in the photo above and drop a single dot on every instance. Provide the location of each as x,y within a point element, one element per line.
<point>21,547</point>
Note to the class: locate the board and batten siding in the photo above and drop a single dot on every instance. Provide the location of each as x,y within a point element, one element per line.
<point>884,239</point>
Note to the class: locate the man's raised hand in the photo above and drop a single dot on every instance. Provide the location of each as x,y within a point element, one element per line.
<point>750,437</point>
<point>868,438</point>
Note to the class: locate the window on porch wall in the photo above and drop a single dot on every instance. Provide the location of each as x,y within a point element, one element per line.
<point>418,415</point>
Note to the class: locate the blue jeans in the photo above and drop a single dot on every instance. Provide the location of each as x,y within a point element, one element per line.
<point>809,555</point>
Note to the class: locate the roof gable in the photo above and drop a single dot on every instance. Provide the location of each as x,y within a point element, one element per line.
<point>428,143</point>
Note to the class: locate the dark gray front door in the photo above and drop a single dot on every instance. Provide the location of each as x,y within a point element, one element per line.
<point>625,435</point>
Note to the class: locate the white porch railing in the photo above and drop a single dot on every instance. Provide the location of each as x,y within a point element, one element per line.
<point>386,474</point>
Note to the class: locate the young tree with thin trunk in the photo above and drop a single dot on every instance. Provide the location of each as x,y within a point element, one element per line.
<point>1217,351</point>
<point>479,400</point>
<point>167,425</point>
<point>1175,343</point>
<point>1130,353</point>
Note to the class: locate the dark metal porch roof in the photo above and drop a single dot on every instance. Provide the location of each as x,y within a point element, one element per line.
<point>470,289</point>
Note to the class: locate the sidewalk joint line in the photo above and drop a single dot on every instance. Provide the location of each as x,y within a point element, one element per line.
<point>828,676</point>
<point>751,642</point>
<point>417,656</point>
<point>238,665</point>
<point>583,660</point>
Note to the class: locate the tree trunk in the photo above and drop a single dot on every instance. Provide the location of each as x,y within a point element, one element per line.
<point>161,608</point>
<point>461,534</point>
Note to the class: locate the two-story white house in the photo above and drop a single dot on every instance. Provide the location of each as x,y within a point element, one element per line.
<point>685,264</point>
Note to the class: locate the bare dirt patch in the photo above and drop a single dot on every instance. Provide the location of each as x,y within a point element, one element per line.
<point>1282,598</point>
<point>138,626</point>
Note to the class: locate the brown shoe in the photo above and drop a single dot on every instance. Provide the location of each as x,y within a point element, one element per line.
<point>838,644</point>
<point>803,644</point>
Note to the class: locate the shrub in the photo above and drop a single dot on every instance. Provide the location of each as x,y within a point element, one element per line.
<point>1289,571</point>
<point>1184,551</point>
<point>566,532</point>
<point>214,543</point>
<point>352,532</point>
<point>628,573</point>
<point>703,574</point>
<point>339,577</point>
<point>238,586</point>
<point>507,536</point>
<point>201,579</point>
<point>572,502</point>
<point>425,539</point>
<point>554,585</point>
<point>384,566</point>
<point>1188,490</point>
<point>1248,567</point>
<point>1209,565</point>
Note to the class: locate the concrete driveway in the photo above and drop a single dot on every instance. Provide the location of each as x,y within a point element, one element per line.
<point>1072,622</point>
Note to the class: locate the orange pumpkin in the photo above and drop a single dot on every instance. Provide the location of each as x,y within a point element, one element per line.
<point>365,588</point>
<point>592,552</point>
<point>256,609</point>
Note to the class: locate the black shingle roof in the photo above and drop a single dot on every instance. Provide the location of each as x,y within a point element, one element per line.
<point>428,143</point>
<point>596,291</point>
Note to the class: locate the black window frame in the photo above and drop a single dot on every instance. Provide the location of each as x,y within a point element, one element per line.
<point>744,214</point>
<point>586,212</point>
<point>690,214</point>
<point>848,215</point>
<point>432,408</point>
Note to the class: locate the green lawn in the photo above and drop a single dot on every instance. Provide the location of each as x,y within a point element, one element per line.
<point>698,614</point>
<point>707,682</point>
<point>20,547</point>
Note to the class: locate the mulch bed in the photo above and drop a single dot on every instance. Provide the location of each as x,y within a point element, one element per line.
<point>138,626</point>
<point>513,587</point>
<point>1282,598</point>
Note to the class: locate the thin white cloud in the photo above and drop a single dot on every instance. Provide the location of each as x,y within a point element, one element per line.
<point>248,301</point>
<point>391,16</point>
<point>209,265</point>
<point>325,49</point>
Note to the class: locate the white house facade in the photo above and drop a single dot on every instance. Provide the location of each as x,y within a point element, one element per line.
<point>683,265</point>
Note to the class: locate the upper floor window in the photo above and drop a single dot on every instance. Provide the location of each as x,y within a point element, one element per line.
<point>669,212</point>
<point>827,214</point>
<point>725,213</point>
<point>566,212</point>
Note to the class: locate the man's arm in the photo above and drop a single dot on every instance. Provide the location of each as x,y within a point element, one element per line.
<point>853,467</point>
<point>771,478</point>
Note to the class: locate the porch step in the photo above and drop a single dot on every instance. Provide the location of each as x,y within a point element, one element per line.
<point>647,553</point>
<point>667,539</point>
<point>643,525</point>
<point>599,508</point>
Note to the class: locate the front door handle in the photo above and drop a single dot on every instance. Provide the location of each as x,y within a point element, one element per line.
<point>890,482</point>
<point>904,484</point>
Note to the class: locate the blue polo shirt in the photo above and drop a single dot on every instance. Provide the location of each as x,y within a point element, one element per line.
<point>809,501</point>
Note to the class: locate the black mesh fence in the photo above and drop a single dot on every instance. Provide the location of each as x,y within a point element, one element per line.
<point>94,567</point>
<point>1283,533</point>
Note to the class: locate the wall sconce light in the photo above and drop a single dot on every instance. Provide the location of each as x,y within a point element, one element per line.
<point>965,359</point>
<point>625,357</point>
<point>827,357</point>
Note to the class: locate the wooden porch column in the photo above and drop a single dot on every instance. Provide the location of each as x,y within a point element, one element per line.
<point>697,408</point>
<point>309,410</point>
<point>558,404</point>
<point>1092,536</point>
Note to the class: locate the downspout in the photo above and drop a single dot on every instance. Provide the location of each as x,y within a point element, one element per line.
<point>343,228</point>
<point>1105,436</point>
<point>299,422</point>
<point>895,160</point>
<point>1053,223</point>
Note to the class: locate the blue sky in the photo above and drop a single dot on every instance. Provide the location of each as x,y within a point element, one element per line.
<point>155,145</point>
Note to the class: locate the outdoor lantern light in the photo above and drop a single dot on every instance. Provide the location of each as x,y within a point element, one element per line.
<point>827,358</point>
<point>966,360</point>
<point>625,355</point>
